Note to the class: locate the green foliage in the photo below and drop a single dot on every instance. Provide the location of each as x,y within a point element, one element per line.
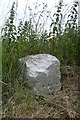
<point>0,58</point>
<point>57,20</point>
<point>10,29</point>
<point>66,47</point>
<point>66,43</point>
<point>24,40</point>
<point>72,17</point>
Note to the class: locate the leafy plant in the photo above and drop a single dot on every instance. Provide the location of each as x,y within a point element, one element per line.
<point>65,42</point>
<point>27,39</point>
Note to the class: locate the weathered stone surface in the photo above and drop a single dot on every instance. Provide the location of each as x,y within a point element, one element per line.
<point>42,72</point>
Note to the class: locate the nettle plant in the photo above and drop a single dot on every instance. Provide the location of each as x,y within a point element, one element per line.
<point>9,30</point>
<point>57,21</point>
<point>72,16</point>
<point>65,38</point>
<point>30,37</point>
<point>19,42</point>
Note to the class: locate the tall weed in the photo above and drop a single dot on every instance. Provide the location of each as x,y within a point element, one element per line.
<point>24,40</point>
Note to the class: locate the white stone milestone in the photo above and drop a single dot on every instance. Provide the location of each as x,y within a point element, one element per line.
<point>42,72</point>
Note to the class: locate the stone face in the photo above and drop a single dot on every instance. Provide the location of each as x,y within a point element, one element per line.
<point>42,72</point>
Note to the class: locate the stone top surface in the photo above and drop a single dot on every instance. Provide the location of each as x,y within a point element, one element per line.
<point>39,63</point>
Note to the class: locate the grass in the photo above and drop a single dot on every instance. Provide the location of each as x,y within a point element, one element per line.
<point>0,78</point>
<point>17,42</point>
<point>0,58</point>
<point>63,104</point>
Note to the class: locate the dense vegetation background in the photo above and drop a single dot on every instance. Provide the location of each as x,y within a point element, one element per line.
<point>25,39</point>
